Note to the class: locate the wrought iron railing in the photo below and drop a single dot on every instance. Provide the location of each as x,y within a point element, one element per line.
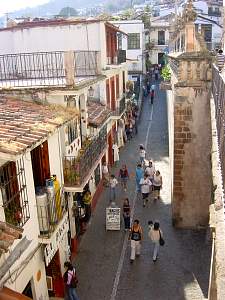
<point>51,208</point>
<point>218,90</point>
<point>121,56</point>
<point>120,108</point>
<point>44,68</point>
<point>77,169</point>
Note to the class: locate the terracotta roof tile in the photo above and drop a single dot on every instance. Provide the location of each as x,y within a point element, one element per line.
<point>24,123</point>
<point>8,233</point>
<point>97,113</point>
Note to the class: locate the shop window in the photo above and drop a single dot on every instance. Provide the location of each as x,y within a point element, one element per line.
<point>97,175</point>
<point>14,192</point>
<point>133,41</point>
<point>72,131</point>
<point>161,37</point>
<point>40,164</point>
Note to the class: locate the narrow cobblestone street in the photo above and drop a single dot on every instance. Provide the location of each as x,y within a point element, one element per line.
<point>104,270</point>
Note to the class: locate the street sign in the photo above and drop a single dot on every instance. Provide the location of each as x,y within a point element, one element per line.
<point>112,218</point>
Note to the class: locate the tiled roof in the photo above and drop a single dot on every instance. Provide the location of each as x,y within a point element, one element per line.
<point>97,113</point>
<point>8,233</point>
<point>24,123</point>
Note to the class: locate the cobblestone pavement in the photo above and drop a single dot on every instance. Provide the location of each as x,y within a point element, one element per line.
<point>182,271</point>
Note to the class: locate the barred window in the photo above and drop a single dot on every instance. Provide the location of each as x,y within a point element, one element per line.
<point>119,41</point>
<point>161,37</point>
<point>14,192</point>
<point>72,131</point>
<point>133,40</point>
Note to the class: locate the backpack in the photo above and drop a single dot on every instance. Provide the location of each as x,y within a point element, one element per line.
<point>74,280</point>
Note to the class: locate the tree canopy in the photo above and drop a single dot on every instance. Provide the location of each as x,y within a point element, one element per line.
<point>68,12</point>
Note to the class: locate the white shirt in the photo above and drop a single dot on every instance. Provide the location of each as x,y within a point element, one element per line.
<point>154,234</point>
<point>157,180</point>
<point>142,153</point>
<point>150,171</point>
<point>105,170</point>
<point>145,185</point>
<point>113,182</point>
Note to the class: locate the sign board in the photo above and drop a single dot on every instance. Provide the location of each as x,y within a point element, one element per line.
<point>56,239</point>
<point>112,218</point>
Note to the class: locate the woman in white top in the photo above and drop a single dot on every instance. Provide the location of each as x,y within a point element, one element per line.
<point>157,184</point>
<point>142,153</point>
<point>116,156</point>
<point>154,234</point>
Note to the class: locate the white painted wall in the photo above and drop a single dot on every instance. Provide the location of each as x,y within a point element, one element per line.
<point>36,262</point>
<point>154,38</point>
<point>55,156</point>
<point>133,26</point>
<point>55,38</point>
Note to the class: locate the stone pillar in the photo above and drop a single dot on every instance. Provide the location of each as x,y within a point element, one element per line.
<point>190,37</point>
<point>69,68</point>
<point>192,181</point>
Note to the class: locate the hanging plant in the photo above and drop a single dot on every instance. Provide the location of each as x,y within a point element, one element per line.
<point>166,73</point>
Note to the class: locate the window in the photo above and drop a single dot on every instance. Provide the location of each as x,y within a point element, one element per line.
<point>40,164</point>
<point>117,87</point>
<point>133,40</point>
<point>14,192</point>
<point>161,37</point>
<point>119,41</point>
<point>72,131</point>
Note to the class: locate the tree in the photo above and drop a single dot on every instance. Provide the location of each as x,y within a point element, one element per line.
<point>68,12</point>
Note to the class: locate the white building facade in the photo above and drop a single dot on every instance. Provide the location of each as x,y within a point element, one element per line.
<point>32,197</point>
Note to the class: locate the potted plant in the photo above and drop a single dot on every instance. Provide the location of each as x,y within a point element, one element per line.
<point>166,75</point>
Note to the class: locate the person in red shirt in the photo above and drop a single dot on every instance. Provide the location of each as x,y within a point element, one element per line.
<point>124,176</point>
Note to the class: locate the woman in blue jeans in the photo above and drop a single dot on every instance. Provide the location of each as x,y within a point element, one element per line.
<point>70,280</point>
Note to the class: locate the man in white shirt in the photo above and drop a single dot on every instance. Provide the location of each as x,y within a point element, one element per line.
<point>145,184</point>
<point>112,184</point>
<point>150,171</point>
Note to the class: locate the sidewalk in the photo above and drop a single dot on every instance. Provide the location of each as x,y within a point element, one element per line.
<point>102,261</point>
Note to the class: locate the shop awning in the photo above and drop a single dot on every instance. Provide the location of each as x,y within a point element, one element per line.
<point>8,294</point>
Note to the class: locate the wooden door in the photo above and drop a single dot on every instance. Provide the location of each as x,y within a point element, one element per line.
<point>112,87</point>
<point>108,94</point>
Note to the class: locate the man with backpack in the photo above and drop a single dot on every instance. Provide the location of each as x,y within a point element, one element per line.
<point>70,281</point>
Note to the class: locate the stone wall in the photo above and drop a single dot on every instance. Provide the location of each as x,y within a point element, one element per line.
<point>192,167</point>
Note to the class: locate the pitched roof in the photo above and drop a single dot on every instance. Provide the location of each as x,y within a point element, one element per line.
<point>97,113</point>
<point>8,233</point>
<point>24,123</point>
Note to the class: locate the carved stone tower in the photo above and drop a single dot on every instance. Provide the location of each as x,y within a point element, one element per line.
<point>191,80</point>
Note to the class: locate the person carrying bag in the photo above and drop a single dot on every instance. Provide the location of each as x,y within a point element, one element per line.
<point>156,236</point>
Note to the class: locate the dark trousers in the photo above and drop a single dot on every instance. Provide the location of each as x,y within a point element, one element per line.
<point>126,222</point>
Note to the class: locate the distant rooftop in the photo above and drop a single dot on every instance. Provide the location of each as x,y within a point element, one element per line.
<point>24,123</point>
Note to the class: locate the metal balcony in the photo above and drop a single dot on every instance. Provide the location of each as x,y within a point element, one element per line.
<point>120,108</point>
<point>77,170</point>
<point>118,59</point>
<point>46,68</point>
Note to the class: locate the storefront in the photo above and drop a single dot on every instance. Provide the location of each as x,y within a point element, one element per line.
<point>55,254</point>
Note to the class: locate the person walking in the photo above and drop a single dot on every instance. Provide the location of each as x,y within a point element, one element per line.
<point>105,174</point>
<point>126,214</point>
<point>112,184</point>
<point>155,233</point>
<point>145,184</point>
<point>139,173</point>
<point>124,176</point>
<point>142,154</point>
<point>150,170</point>
<point>70,281</point>
<point>152,95</point>
<point>136,236</point>
<point>156,74</point>
<point>220,60</point>
<point>87,198</point>
<point>157,184</point>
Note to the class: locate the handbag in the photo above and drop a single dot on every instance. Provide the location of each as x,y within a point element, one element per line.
<point>161,240</point>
